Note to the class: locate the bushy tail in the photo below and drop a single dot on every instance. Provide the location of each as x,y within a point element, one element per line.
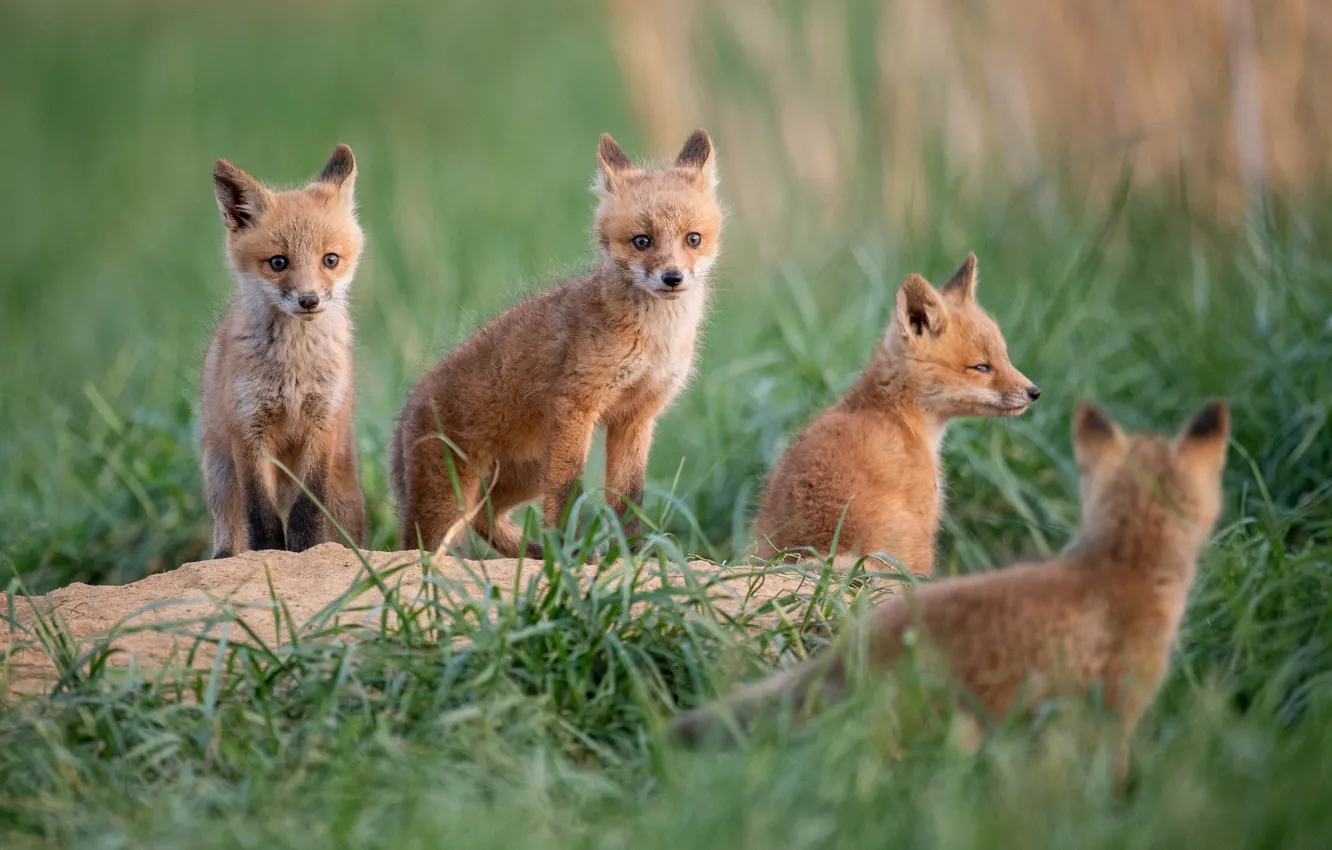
<point>796,690</point>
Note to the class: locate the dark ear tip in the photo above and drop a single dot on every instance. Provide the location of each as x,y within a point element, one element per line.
<point>967,270</point>
<point>1091,419</point>
<point>1211,420</point>
<point>610,152</point>
<point>223,168</point>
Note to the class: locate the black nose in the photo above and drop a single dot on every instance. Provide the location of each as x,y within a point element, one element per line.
<point>308,300</point>
<point>672,277</point>
<point>1034,391</point>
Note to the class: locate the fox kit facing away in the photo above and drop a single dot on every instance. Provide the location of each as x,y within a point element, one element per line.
<point>277,378</point>
<point>520,399</point>
<point>875,454</point>
<point>1103,613</point>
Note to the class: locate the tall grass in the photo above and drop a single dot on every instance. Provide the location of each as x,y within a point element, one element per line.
<point>854,103</point>
<point>528,717</point>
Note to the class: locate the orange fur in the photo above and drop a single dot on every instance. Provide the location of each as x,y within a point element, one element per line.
<point>277,378</point>
<point>1104,613</point>
<point>521,398</point>
<point>875,454</point>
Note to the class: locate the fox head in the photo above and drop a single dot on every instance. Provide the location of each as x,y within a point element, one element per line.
<point>661,227</point>
<point>954,351</point>
<point>1149,484</point>
<point>294,250</point>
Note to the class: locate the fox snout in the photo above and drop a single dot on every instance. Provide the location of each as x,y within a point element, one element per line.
<point>308,300</point>
<point>1019,398</point>
<point>1020,387</point>
<point>669,282</point>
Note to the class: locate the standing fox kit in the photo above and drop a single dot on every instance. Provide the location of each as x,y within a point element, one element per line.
<point>277,380</point>
<point>518,402</point>
<point>1104,613</point>
<point>875,454</point>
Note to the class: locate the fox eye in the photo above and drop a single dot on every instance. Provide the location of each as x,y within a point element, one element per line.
<point>277,263</point>
<point>981,367</point>
<point>331,261</point>
<point>693,240</point>
<point>642,242</point>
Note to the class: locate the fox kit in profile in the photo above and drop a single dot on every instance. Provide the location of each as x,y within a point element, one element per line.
<point>520,399</point>
<point>875,454</point>
<point>1103,613</point>
<point>277,378</point>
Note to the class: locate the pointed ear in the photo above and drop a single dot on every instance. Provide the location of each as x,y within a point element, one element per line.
<point>340,170</point>
<point>919,310</point>
<point>241,199</point>
<point>1204,436</point>
<point>962,285</point>
<point>1094,434</point>
<point>697,154</point>
<point>612,166</point>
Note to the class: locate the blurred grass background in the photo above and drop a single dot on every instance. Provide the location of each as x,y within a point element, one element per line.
<point>1146,186</point>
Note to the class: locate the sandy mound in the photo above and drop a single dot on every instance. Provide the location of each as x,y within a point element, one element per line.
<point>154,620</point>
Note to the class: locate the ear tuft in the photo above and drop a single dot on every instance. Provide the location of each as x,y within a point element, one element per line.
<point>611,156</point>
<point>241,199</point>
<point>1093,433</point>
<point>697,154</point>
<point>1211,422</point>
<point>612,163</point>
<point>962,285</point>
<point>1092,422</point>
<point>340,168</point>
<point>920,312</point>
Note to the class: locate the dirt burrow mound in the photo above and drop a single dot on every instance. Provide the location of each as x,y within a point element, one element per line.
<point>155,618</point>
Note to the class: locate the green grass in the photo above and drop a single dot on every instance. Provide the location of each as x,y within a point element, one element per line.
<point>474,130</point>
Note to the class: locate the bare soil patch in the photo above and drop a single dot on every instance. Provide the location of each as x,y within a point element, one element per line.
<point>154,621</point>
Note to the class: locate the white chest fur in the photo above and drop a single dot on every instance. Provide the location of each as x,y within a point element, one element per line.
<point>664,354</point>
<point>294,373</point>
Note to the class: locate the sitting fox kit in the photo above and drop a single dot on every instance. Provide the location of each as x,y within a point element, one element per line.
<point>871,462</point>
<point>513,409</point>
<point>277,379</point>
<point>1104,613</point>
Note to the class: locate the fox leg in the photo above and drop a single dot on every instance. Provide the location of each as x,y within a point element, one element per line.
<point>224,502</point>
<point>431,506</point>
<point>627,445</point>
<point>566,457</point>
<point>306,524</point>
<point>258,485</point>
<point>514,484</point>
<point>1128,695</point>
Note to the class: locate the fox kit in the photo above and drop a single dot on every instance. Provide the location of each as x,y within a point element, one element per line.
<point>517,403</point>
<point>277,378</point>
<point>1104,612</point>
<point>875,454</point>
